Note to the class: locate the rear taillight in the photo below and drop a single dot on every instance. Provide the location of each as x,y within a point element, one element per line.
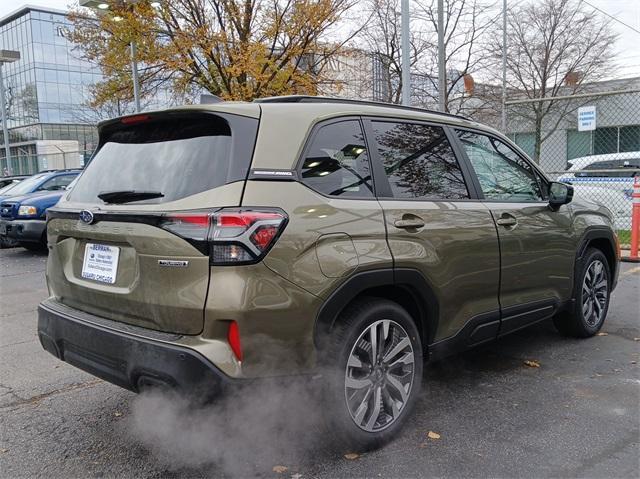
<point>229,236</point>
<point>233,337</point>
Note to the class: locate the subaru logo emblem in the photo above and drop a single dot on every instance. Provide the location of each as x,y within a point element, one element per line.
<point>86,216</point>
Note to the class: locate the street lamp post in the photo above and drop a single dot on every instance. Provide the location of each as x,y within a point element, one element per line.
<point>6,56</point>
<point>442,79</point>
<point>504,68</point>
<point>406,60</point>
<point>102,6</point>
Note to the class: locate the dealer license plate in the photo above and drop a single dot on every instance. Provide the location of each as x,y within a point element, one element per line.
<point>100,262</point>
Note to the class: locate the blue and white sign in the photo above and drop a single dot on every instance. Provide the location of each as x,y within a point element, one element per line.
<point>586,118</point>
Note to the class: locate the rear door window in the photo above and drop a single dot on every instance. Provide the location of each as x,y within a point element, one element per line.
<point>419,161</point>
<point>336,162</point>
<point>177,156</point>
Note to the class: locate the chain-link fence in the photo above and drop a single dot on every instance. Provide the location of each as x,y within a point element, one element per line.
<point>591,140</point>
<point>28,163</point>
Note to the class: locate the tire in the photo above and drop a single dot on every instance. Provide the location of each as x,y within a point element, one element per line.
<point>36,247</point>
<point>7,243</point>
<point>592,291</point>
<point>353,387</point>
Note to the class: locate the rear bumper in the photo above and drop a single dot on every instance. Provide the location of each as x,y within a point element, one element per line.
<point>25,230</point>
<point>127,360</point>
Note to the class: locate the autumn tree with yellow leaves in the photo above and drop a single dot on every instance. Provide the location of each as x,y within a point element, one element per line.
<point>237,50</point>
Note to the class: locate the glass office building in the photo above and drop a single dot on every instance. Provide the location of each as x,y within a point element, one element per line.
<point>49,128</point>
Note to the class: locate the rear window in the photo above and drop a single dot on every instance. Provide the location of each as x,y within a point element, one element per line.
<point>178,156</point>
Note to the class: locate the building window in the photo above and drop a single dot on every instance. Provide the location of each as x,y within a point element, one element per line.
<point>601,141</point>
<point>605,140</point>
<point>630,138</point>
<point>526,141</point>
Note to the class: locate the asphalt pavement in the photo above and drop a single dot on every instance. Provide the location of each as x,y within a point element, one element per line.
<point>489,413</point>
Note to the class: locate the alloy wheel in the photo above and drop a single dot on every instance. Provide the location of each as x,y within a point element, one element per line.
<point>595,291</point>
<point>379,375</point>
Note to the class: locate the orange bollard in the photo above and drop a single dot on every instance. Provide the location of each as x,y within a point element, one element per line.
<point>635,223</point>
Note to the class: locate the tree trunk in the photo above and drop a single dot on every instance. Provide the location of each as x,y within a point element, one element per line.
<point>538,139</point>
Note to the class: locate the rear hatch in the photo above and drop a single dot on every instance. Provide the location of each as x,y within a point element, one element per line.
<point>129,241</point>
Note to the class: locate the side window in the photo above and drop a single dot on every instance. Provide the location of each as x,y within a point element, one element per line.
<point>336,163</point>
<point>625,169</point>
<point>502,173</point>
<point>57,183</point>
<point>419,161</point>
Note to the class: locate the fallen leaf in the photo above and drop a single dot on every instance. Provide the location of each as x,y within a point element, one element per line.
<point>636,339</point>
<point>280,469</point>
<point>117,414</point>
<point>3,450</point>
<point>532,363</point>
<point>602,334</point>
<point>433,435</point>
<point>351,456</point>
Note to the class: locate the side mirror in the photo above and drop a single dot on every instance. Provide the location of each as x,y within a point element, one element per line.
<point>560,194</point>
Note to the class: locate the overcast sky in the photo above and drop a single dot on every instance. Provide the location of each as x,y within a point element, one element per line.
<point>627,11</point>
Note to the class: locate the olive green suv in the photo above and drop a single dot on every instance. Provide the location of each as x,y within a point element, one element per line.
<point>347,240</point>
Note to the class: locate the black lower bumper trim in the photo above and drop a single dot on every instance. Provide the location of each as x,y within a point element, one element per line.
<point>128,361</point>
<point>26,230</point>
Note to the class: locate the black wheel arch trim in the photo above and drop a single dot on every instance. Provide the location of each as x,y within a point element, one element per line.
<point>411,281</point>
<point>595,233</point>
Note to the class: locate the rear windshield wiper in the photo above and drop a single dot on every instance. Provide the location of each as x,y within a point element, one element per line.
<point>127,196</point>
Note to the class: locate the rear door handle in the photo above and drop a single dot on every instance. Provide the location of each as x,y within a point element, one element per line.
<point>507,220</point>
<point>409,223</point>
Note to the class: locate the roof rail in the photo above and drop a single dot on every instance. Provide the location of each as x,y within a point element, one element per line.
<point>328,99</point>
<point>58,170</point>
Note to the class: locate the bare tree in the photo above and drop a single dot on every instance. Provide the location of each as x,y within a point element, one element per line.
<point>381,37</point>
<point>466,23</point>
<point>555,48</point>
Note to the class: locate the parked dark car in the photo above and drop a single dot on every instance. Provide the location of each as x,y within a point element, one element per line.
<point>23,207</point>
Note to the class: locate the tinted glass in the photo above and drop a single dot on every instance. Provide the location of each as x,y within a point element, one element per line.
<point>617,169</point>
<point>419,161</point>
<point>57,183</point>
<point>176,157</point>
<point>337,163</point>
<point>502,173</point>
<point>7,187</point>
<point>28,185</point>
